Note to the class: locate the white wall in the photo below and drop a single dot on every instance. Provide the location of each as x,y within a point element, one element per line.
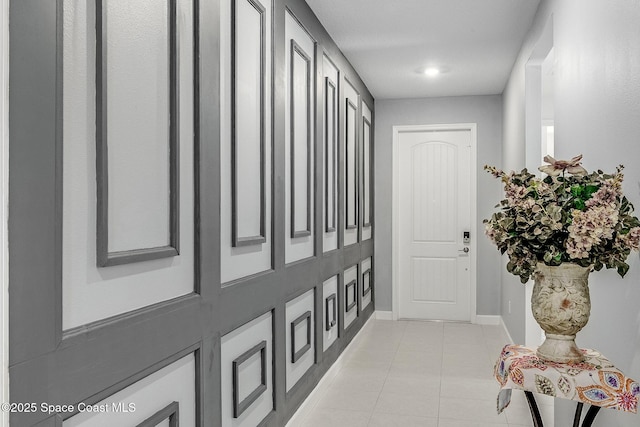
<point>486,112</point>
<point>91,293</point>
<point>597,106</point>
<point>4,192</point>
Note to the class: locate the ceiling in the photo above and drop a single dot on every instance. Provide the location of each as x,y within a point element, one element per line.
<point>390,43</point>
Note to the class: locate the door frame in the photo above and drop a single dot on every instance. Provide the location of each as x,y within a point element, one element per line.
<point>397,130</point>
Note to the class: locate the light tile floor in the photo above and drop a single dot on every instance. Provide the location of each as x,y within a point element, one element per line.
<point>410,373</point>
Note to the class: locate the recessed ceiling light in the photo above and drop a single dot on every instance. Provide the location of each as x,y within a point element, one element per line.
<point>431,71</point>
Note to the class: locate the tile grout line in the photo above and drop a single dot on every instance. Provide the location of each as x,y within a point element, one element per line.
<point>441,368</point>
<point>404,331</point>
<point>488,352</point>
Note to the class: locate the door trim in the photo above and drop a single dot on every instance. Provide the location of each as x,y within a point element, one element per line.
<point>397,130</point>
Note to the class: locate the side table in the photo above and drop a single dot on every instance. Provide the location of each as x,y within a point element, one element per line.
<point>595,382</point>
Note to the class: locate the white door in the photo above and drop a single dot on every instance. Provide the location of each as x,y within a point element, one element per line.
<point>434,215</point>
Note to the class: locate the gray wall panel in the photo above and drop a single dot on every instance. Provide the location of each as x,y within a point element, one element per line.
<point>94,361</point>
<point>332,264</point>
<point>34,155</point>
<point>53,421</point>
<point>351,255</point>
<point>207,209</point>
<point>79,370</point>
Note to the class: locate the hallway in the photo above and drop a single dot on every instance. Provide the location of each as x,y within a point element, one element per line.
<point>201,205</point>
<point>410,373</point>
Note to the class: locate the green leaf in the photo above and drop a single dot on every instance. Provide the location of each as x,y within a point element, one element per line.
<point>576,190</point>
<point>622,269</point>
<point>590,189</point>
<point>579,204</point>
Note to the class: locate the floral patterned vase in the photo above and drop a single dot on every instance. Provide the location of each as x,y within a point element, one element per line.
<point>561,306</point>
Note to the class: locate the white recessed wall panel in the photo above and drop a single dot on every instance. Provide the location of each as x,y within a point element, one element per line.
<point>350,306</point>
<point>245,138</point>
<point>366,286</point>
<point>91,293</point>
<point>248,111</point>
<point>350,169</point>
<point>330,154</point>
<point>172,389</point>
<point>300,341</point>
<point>246,373</point>
<point>138,121</point>
<point>299,137</point>
<point>300,146</point>
<point>329,312</point>
<point>366,175</point>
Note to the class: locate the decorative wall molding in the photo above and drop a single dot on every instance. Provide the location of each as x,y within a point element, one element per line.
<point>351,165</point>
<point>367,200</point>
<point>38,338</point>
<point>297,51</point>
<point>170,412</point>
<point>239,406</point>
<point>240,146</point>
<point>331,146</point>
<point>297,354</point>
<point>174,379</point>
<point>331,313</point>
<point>332,321</point>
<point>349,305</point>
<point>105,258</point>
<point>366,281</point>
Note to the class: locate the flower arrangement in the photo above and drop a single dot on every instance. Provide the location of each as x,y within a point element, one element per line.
<point>568,216</point>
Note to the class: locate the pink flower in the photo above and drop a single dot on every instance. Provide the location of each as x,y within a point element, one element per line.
<point>630,240</point>
<point>556,167</point>
<point>590,228</point>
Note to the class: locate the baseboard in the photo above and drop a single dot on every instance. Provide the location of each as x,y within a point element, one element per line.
<point>485,319</point>
<point>383,315</point>
<point>506,330</point>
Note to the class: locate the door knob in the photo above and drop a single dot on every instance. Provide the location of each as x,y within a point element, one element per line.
<point>465,250</point>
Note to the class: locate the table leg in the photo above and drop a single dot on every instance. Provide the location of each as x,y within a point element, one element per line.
<point>591,415</point>
<point>535,413</point>
<point>576,417</point>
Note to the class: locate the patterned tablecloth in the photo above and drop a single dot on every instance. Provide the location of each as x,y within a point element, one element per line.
<point>595,381</point>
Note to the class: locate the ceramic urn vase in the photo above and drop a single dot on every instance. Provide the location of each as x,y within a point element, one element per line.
<point>561,306</point>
